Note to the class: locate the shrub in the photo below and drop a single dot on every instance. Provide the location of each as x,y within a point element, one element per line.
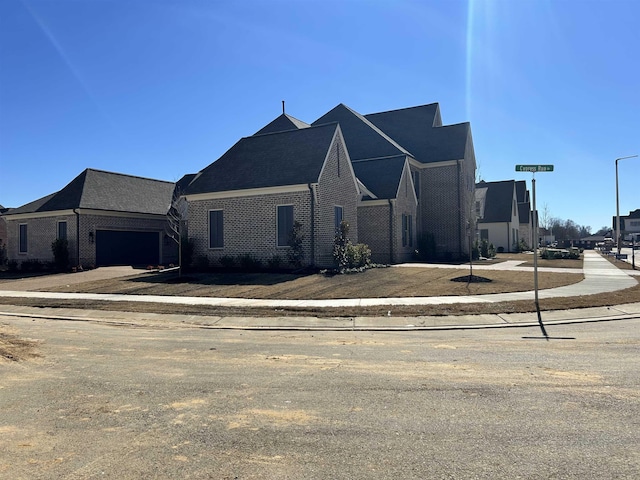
<point>33,265</point>
<point>340,244</point>
<point>201,263</point>
<point>60,249</point>
<point>500,249</point>
<point>3,253</point>
<point>188,247</point>
<point>274,263</point>
<point>295,254</point>
<point>475,251</point>
<point>358,255</point>
<point>249,263</point>
<point>227,261</point>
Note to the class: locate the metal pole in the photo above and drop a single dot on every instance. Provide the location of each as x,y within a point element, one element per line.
<point>535,257</point>
<point>618,204</point>
<point>617,211</point>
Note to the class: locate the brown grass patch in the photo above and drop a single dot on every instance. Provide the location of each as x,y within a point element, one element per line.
<point>374,283</point>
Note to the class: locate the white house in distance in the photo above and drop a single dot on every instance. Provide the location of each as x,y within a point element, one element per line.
<point>498,211</point>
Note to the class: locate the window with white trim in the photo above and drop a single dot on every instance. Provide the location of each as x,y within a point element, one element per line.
<point>22,238</point>
<point>284,224</point>
<point>62,230</point>
<point>216,229</point>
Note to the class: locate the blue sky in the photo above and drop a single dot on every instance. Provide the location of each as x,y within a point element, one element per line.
<point>162,88</point>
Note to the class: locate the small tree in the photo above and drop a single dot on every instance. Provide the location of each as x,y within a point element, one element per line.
<point>3,253</point>
<point>341,244</point>
<point>176,216</point>
<point>295,254</point>
<point>60,249</point>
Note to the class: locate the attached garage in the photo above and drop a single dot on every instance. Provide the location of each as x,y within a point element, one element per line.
<point>115,247</point>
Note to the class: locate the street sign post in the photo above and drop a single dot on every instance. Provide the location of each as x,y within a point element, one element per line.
<point>534,169</point>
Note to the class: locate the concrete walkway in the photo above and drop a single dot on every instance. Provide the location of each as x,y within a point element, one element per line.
<point>600,276</point>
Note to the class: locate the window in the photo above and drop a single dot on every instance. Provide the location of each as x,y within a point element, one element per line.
<point>478,209</point>
<point>216,229</point>
<point>22,233</point>
<point>484,234</point>
<point>62,230</point>
<point>284,224</point>
<point>407,230</point>
<point>337,218</point>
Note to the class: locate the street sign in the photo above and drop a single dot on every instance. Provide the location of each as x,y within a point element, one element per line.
<point>534,168</point>
<point>622,256</point>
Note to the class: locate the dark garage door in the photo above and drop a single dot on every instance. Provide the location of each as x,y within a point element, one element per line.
<point>127,248</point>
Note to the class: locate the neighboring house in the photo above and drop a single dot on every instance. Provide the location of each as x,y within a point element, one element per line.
<point>525,214</point>
<point>498,214</point>
<point>629,224</point>
<point>107,219</point>
<point>592,241</point>
<point>545,236</point>
<point>3,231</point>
<point>246,202</point>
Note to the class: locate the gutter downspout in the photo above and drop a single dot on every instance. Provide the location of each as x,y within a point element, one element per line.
<point>390,231</point>
<point>313,225</point>
<point>459,210</point>
<point>77,235</point>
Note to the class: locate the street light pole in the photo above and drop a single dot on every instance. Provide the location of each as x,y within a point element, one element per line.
<point>618,204</point>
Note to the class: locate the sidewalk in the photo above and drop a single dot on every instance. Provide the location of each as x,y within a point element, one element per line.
<point>600,276</point>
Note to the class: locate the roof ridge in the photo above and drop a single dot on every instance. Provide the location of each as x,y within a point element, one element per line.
<point>387,157</point>
<point>404,108</point>
<point>97,170</point>
<point>289,131</point>
<point>377,130</point>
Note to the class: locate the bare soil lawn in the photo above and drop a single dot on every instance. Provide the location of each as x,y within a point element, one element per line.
<point>374,283</point>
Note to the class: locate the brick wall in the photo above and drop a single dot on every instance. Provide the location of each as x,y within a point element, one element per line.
<point>41,232</point>
<point>446,205</point>
<point>249,225</point>
<point>373,230</point>
<point>336,186</point>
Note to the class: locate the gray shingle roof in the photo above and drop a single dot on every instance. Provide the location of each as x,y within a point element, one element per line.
<point>498,202</point>
<point>524,211</point>
<point>285,158</point>
<point>100,190</point>
<point>381,176</point>
<point>363,139</point>
<point>522,194</point>
<point>281,124</point>
<point>417,130</point>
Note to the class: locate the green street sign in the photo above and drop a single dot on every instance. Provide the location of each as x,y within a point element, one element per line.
<point>534,168</point>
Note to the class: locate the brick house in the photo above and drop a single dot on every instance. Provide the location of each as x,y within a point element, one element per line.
<point>107,219</point>
<point>3,232</point>
<point>525,215</point>
<point>247,201</point>
<point>413,177</point>
<point>498,214</point>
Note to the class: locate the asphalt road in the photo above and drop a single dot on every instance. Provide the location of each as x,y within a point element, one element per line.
<point>130,403</point>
